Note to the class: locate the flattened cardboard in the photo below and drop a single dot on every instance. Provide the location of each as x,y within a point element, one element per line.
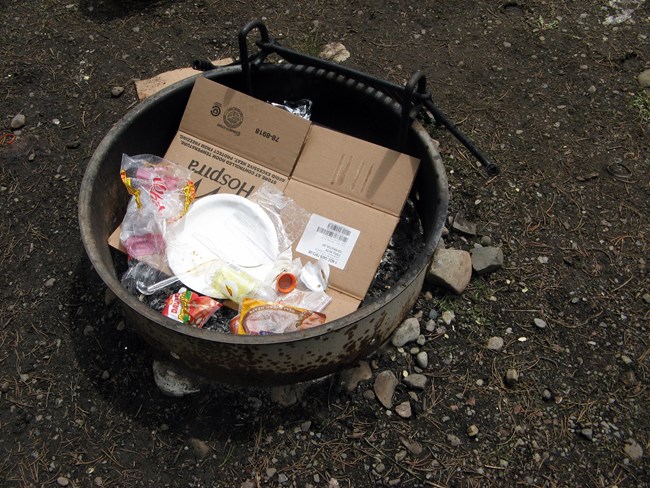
<point>355,169</point>
<point>375,229</point>
<point>255,130</point>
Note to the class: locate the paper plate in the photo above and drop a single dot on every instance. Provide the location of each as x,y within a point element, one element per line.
<point>217,229</point>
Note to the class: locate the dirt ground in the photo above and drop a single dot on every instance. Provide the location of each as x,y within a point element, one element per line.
<point>548,89</point>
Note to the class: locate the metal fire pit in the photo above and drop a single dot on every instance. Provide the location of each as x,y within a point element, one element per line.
<point>340,101</point>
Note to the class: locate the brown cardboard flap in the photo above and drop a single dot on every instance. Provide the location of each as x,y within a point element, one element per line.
<point>340,306</point>
<point>370,227</point>
<point>253,129</point>
<point>216,170</point>
<point>356,169</point>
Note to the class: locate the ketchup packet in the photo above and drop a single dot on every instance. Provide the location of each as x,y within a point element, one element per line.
<point>190,308</point>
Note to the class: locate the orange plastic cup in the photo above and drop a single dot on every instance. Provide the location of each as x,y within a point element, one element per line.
<point>286,282</point>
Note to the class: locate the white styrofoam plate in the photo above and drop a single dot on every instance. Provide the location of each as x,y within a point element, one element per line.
<point>217,229</point>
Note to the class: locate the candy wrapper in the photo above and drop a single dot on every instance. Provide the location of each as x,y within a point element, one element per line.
<point>190,308</point>
<point>259,317</point>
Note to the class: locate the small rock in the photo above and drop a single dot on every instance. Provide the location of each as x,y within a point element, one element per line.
<point>539,323</point>
<point>495,343</point>
<point>472,431</point>
<point>453,440</point>
<point>385,384</point>
<point>486,259</point>
<point>633,450</point>
<point>400,455</point>
<point>433,314</point>
<point>450,269</point>
<point>18,122</point>
<point>109,297</point>
<point>201,449</point>
<point>422,360</point>
<point>335,51</point>
<point>407,332</point>
<point>50,283</point>
<point>351,377</point>
<point>62,481</point>
<point>287,395</point>
<point>282,478</point>
<point>646,298</point>
<point>448,317</point>
<point>547,395</point>
<point>98,481</point>
<point>333,483</point>
<point>369,395</point>
<point>416,381</point>
<point>105,375</point>
<point>486,241</point>
<point>270,472</point>
<point>73,144</point>
<point>644,78</point>
<point>88,330</point>
<point>117,91</point>
<point>248,484</point>
<point>512,377</point>
<point>305,426</point>
<point>404,410</point>
<point>413,446</point>
<point>626,360</point>
<point>120,325</point>
<point>587,434</point>
<point>463,226</point>
<point>4,388</point>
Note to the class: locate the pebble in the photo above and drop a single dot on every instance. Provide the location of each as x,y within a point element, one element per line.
<point>88,330</point>
<point>487,259</point>
<point>117,91</point>
<point>495,343</point>
<point>626,360</point>
<point>472,431</point>
<point>644,78</point>
<point>404,410</point>
<point>450,269</point>
<point>547,395</point>
<point>98,481</point>
<point>120,325</point>
<point>587,433</point>
<point>416,381</point>
<point>422,360</point>
<point>351,377</point>
<point>433,314</point>
<point>448,317</point>
<point>335,51</point>
<point>453,440</point>
<point>430,325</point>
<point>282,478</point>
<point>105,375</point>
<point>50,283</point>
<point>633,450</point>
<point>18,122</point>
<point>62,481</point>
<point>539,323</point>
<point>4,388</point>
<point>270,472</point>
<point>463,226</point>
<point>646,298</point>
<point>512,377</point>
<point>407,332</point>
<point>201,449</point>
<point>486,241</point>
<point>384,387</point>
<point>369,395</point>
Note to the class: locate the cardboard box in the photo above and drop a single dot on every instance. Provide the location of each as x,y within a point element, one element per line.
<point>355,190</point>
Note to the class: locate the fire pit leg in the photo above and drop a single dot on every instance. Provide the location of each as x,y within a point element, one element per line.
<point>174,381</point>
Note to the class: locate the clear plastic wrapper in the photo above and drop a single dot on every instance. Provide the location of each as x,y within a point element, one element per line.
<point>161,193</point>
<point>301,108</point>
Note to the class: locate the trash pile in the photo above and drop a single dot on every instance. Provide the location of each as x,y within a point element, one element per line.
<point>220,248</point>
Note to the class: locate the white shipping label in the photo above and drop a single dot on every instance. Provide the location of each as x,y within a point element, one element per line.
<point>329,240</point>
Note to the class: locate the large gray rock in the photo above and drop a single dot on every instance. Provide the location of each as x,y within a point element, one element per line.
<point>407,332</point>
<point>451,269</point>
<point>487,259</point>
<point>385,384</point>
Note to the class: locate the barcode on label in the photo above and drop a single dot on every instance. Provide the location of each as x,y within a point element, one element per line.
<point>342,234</point>
<point>339,228</point>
